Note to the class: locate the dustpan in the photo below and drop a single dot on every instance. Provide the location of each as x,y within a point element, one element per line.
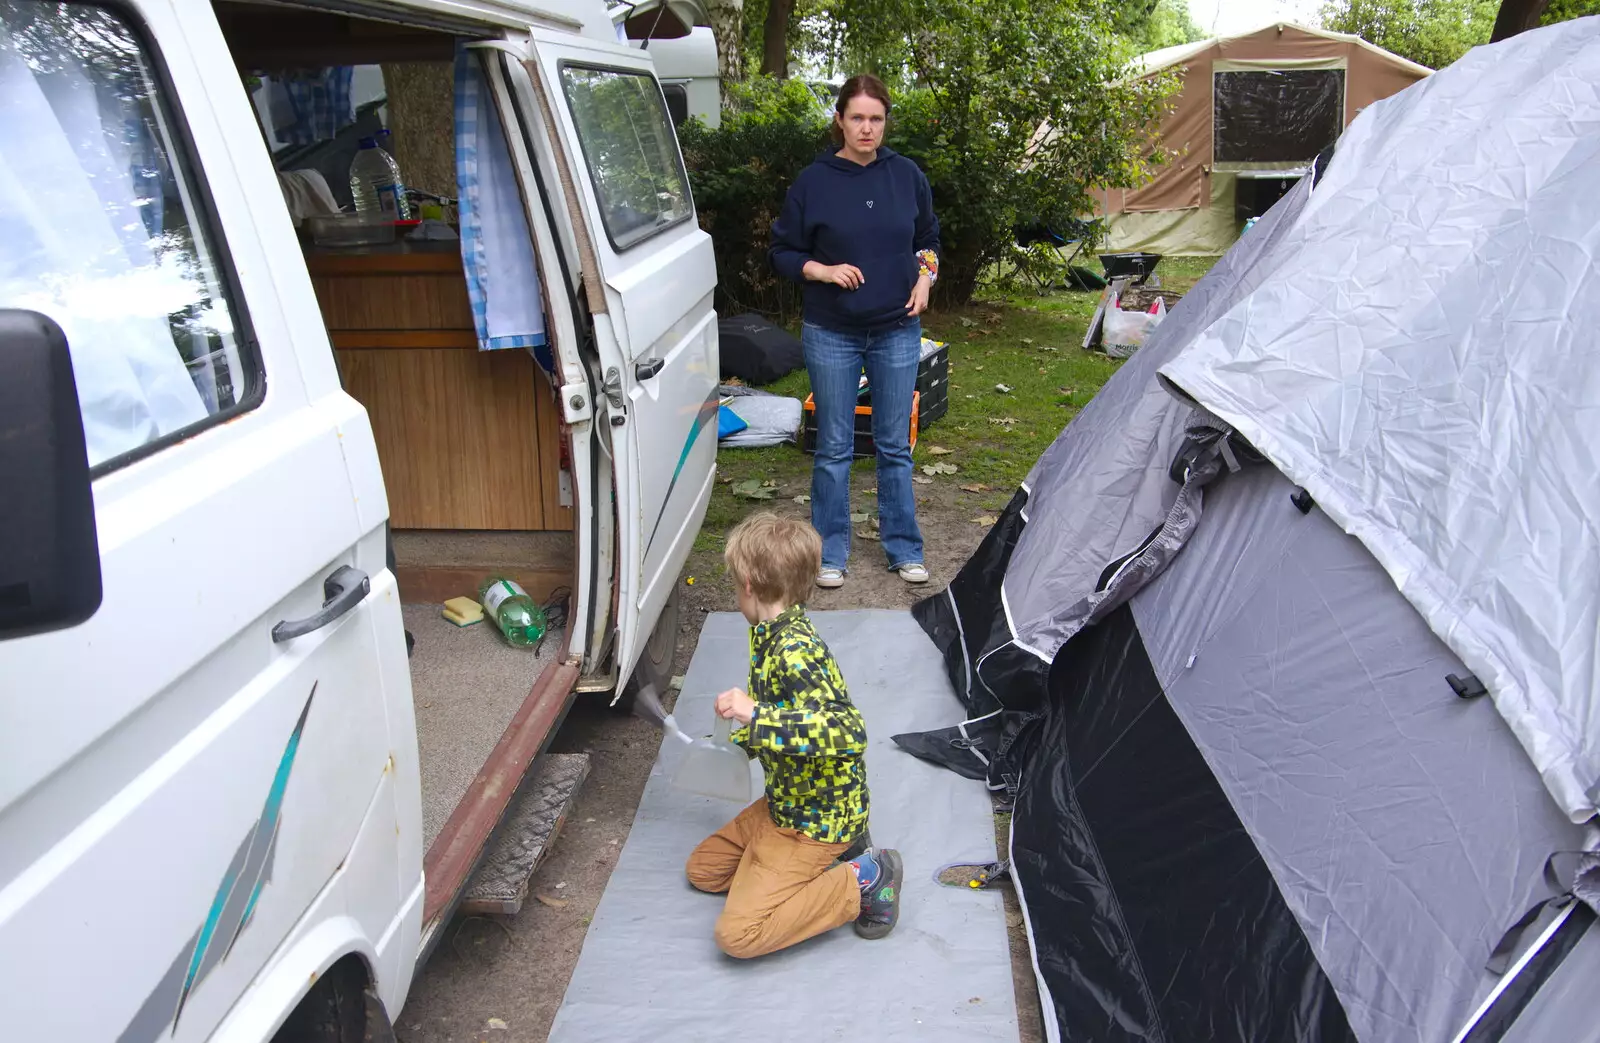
<point>715,767</point>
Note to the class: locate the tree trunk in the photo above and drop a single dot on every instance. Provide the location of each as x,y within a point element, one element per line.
<point>1517,16</point>
<point>727,25</point>
<point>775,49</point>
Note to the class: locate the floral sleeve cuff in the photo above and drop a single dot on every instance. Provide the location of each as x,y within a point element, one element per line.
<point>928,264</point>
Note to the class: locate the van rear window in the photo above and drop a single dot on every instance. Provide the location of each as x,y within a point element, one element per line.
<point>631,151</point>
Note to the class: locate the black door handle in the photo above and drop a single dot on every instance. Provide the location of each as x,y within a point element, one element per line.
<point>341,592</point>
<point>648,368</point>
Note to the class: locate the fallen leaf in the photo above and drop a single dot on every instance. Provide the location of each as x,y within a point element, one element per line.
<point>871,490</point>
<point>921,480</point>
<point>978,368</point>
<point>966,322</point>
<point>994,318</point>
<point>985,520</point>
<point>554,903</point>
<point>752,489</point>
<point>770,483</point>
<point>677,683</point>
<point>1041,371</point>
<point>802,498</point>
<point>1004,389</point>
<point>561,886</point>
<point>976,488</point>
<point>496,1025</point>
<point>725,481</point>
<point>1028,341</point>
<point>1003,421</point>
<point>857,519</point>
<point>939,468</point>
<point>868,534</point>
<point>939,450</point>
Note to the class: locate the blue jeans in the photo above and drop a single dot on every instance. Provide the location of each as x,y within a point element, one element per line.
<point>835,358</point>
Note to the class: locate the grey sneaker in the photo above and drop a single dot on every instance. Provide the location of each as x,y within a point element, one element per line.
<point>916,572</point>
<point>880,903</point>
<point>830,579</point>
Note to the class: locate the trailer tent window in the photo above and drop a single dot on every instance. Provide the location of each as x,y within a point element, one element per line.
<point>1276,116</point>
<point>631,151</point>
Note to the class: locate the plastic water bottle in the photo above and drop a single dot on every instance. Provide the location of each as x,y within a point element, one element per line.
<point>376,185</point>
<point>517,615</point>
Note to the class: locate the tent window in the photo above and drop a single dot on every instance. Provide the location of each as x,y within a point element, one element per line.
<point>1273,116</point>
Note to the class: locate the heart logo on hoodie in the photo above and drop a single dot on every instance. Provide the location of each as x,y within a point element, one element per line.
<point>869,204</point>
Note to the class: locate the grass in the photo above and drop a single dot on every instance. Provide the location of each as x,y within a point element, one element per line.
<point>1031,344</point>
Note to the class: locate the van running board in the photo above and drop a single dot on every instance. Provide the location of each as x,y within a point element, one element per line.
<point>471,828</point>
<point>526,835</point>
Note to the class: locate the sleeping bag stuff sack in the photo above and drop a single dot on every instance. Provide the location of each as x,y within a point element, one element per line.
<point>756,351</point>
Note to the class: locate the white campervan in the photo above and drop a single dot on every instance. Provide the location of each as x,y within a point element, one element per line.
<point>230,448</point>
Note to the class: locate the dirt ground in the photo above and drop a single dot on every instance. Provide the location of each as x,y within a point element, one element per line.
<point>501,981</point>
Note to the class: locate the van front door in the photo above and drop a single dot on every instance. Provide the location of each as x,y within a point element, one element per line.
<point>655,325</point>
<point>185,773</point>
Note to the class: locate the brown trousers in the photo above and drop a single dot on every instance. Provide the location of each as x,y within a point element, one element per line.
<point>778,881</point>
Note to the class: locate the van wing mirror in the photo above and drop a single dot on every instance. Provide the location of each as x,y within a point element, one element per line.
<point>50,554</point>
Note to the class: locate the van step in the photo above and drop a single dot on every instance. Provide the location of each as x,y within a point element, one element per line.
<point>526,835</point>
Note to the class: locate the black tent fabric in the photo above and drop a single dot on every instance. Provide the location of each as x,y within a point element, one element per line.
<point>1153,917</point>
<point>757,352</point>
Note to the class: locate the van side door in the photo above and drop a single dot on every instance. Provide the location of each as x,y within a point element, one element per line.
<point>653,273</point>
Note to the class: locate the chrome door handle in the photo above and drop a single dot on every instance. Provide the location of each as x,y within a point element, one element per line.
<point>341,592</point>
<point>648,368</point>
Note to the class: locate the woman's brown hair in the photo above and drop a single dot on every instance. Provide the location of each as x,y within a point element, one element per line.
<point>864,84</point>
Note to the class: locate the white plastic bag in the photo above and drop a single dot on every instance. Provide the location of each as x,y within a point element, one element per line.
<point>1125,331</point>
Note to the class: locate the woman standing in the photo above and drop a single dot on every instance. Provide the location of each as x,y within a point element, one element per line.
<point>858,230</point>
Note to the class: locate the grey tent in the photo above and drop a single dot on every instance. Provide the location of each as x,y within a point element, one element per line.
<point>1288,650</point>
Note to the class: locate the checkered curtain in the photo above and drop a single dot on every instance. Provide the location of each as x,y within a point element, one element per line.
<point>319,104</point>
<point>496,246</point>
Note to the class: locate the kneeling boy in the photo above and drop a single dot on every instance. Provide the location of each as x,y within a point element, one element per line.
<point>798,861</point>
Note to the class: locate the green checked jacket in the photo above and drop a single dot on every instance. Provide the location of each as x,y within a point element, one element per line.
<point>809,737</point>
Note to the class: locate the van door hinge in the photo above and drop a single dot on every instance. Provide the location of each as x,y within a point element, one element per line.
<point>613,389</point>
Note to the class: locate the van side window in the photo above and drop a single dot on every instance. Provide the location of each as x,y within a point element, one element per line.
<point>105,233</point>
<point>677,96</point>
<point>631,151</point>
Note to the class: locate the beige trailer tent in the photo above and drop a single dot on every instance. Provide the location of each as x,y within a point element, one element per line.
<point>1250,115</point>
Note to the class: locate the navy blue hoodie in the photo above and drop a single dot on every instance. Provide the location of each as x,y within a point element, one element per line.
<point>877,217</point>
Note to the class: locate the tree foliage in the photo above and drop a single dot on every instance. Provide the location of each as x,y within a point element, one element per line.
<point>1162,23</point>
<point>974,82</point>
<point>740,173</point>
<point>1430,32</point>
<point>1566,10</point>
<point>988,75</point>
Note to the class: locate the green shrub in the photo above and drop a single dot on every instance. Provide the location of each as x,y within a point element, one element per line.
<point>740,174</point>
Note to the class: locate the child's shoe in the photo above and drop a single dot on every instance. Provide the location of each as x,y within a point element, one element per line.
<point>880,873</point>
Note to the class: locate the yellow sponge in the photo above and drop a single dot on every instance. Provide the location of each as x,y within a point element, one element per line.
<point>463,612</point>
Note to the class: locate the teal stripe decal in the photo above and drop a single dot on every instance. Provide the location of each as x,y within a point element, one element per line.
<point>706,414</point>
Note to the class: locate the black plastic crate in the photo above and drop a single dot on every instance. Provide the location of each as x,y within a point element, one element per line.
<point>1137,265</point>
<point>933,384</point>
<point>865,446</point>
